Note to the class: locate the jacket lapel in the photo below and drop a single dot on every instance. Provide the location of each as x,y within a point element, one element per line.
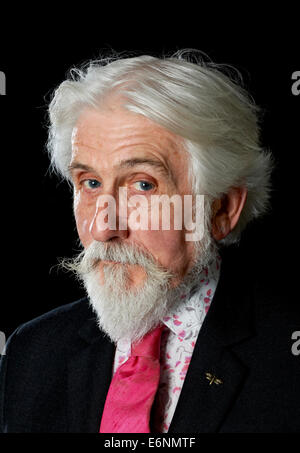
<point>89,376</point>
<point>215,375</point>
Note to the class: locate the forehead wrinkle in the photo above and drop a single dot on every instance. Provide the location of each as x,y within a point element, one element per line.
<point>115,137</point>
<point>139,142</point>
<point>127,133</point>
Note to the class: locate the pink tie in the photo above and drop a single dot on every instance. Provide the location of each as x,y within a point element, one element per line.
<point>133,387</point>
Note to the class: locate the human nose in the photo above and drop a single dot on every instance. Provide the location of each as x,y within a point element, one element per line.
<point>107,223</point>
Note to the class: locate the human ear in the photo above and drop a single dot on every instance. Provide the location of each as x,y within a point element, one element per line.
<point>227,211</point>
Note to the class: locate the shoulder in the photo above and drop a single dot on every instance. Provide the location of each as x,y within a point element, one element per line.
<point>36,359</point>
<point>51,331</point>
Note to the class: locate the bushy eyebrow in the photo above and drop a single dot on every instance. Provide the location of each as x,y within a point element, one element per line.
<point>79,166</point>
<point>127,163</point>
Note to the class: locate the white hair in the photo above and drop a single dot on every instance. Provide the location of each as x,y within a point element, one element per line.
<point>194,99</point>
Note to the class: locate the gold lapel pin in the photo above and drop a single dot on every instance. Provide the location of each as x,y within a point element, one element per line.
<point>213,379</point>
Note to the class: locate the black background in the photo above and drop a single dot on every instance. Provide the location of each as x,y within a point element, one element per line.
<point>36,209</point>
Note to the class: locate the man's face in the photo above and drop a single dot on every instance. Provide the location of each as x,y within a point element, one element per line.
<point>114,148</point>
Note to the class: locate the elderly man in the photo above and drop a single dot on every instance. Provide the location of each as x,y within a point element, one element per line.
<point>164,159</point>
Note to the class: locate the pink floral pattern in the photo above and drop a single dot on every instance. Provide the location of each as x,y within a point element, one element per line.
<point>177,345</point>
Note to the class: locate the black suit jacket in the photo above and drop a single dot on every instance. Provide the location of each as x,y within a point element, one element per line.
<point>57,368</point>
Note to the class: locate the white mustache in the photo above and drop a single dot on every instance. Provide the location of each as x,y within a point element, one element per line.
<point>116,252</point>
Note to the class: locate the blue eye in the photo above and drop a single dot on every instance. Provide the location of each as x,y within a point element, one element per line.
<point>143,185</point>
<point>91,184</point>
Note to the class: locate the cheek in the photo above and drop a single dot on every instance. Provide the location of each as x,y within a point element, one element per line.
<point>84,228</point>
<point>83,219</point>
<point>168,247</point>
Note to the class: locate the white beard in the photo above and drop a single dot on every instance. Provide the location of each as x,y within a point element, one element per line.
<point>124,312</point>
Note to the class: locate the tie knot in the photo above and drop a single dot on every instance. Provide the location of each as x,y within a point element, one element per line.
<point>149,345</point>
